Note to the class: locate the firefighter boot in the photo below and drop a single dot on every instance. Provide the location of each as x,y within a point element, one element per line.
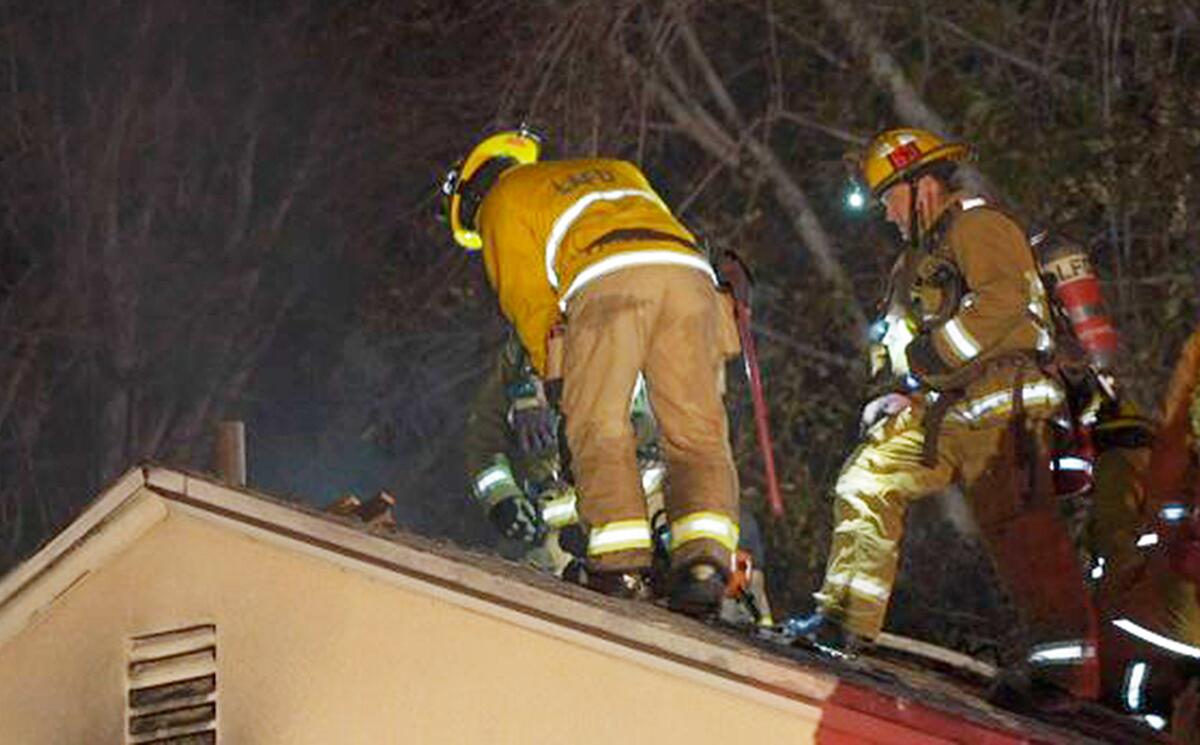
<point>1015,688</point>
<point>697,589</point>
<point>824,632</point>
<point>630,584</point>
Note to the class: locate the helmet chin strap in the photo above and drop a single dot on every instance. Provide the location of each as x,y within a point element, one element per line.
<point>915,237</point>
<point>916,229</point>
<point>476,188</point>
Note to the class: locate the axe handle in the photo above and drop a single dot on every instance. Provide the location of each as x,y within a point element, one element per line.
<point>761,423</point>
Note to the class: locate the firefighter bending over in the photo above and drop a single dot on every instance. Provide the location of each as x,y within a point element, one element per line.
<point>589,244</point>
<point>520,480</point>
<point>514,462</point>
<point>966,323</point>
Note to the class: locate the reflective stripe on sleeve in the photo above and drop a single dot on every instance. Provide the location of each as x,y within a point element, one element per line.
<point>701,525</point>
<point>1158,640</point>
<point>1039,311</point>
<point>572,213</point>
<point>1072,652</point>
<point>964,345</point>
<point>624,535</point>
<point>487,480</point>
<point>1038,307</point>
<point>560,511</point>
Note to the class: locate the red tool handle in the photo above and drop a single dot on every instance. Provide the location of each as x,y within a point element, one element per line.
<point>762,425</point>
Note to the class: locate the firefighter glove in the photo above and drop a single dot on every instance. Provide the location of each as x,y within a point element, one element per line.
<point>518,518</point>
<point>531,417</point>
<point>878,409</point>
<point>534,428</point>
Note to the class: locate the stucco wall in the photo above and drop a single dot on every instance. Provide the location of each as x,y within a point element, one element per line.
<point>309,651</point>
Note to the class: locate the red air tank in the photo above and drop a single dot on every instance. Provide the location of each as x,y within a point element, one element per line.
<point>1071,280</point>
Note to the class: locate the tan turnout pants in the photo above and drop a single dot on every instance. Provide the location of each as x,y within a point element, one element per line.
<point>1024,534</point>
<point>666,322</point>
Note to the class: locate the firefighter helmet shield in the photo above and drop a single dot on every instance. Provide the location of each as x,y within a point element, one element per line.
<point>495,154</point>
<point>902,153</point>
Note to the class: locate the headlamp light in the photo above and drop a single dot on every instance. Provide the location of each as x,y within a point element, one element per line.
<point>877,330</point>
<point>856,198</point>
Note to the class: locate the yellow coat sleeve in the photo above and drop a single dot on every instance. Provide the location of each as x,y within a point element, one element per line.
<point>526,298</point>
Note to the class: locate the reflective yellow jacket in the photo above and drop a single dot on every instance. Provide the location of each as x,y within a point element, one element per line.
<point>549,228</point>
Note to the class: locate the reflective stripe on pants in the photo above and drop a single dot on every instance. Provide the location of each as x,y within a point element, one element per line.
<point>623,535</point>
<point>704,526</point>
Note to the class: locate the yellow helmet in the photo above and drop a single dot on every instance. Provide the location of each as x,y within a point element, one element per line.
<point>899,153</point>
<point>462,191</point>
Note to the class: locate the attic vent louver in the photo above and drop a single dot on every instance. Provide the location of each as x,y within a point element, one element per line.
<point>173,687</point>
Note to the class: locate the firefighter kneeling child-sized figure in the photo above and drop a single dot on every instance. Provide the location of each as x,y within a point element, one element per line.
<point>589,245</point>
<point>966,402</point>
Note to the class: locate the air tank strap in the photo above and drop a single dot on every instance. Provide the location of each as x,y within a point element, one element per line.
<point>932,424</point>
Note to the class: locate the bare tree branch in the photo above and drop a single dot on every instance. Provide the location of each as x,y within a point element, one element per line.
<point>884,69</point>
<point>694,119</point>
<point>1050,76</point>
<point>834,132</point>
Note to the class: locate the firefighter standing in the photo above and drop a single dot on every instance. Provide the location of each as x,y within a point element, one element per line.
<point>1145,544</point>
<point>590,243</point>
<point>1174,473</point>
<point>1150,618</point>
<point>969,405</point>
